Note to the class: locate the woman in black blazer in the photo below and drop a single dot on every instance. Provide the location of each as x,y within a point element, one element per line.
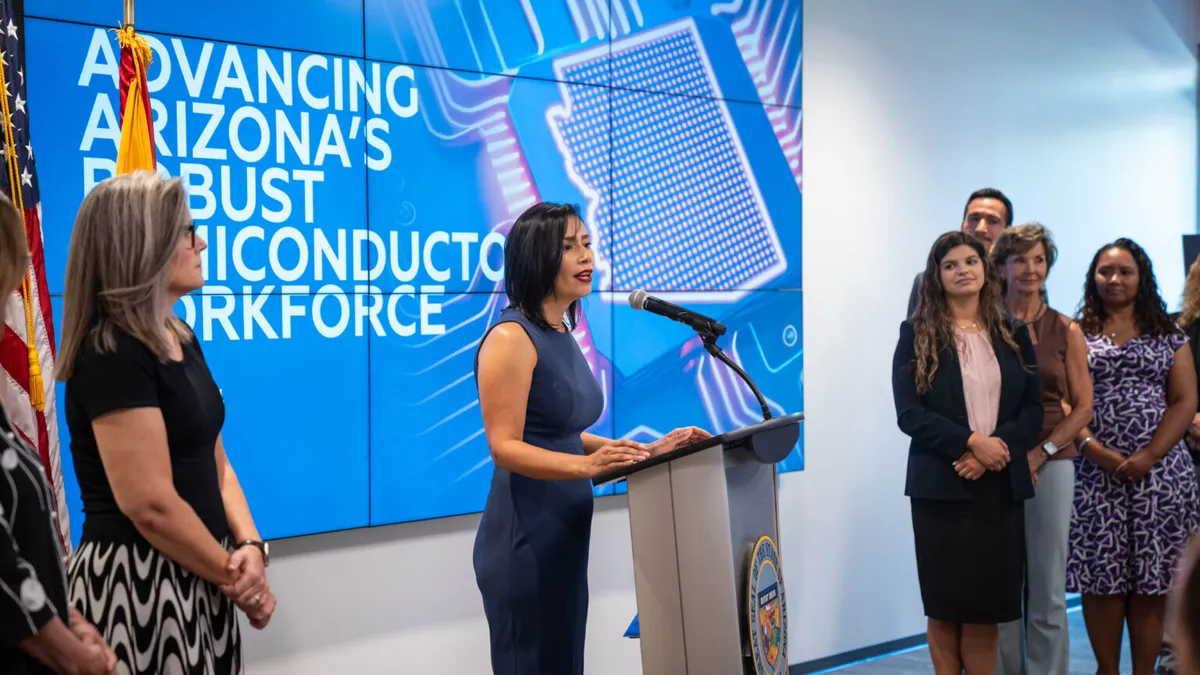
<point>967,392</point>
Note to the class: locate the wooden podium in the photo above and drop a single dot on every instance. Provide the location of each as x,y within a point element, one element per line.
<point>697,515</point>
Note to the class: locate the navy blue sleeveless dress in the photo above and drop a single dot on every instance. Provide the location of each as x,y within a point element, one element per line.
<point>531,550</point>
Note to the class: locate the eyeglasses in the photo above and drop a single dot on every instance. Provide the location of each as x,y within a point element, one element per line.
<point>191,234</point>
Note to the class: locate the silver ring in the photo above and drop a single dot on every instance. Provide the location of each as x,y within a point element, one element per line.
<point>256,599</point>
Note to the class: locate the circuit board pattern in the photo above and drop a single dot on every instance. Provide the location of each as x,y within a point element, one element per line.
<point>686,214</point>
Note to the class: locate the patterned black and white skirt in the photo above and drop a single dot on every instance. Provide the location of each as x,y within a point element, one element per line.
<point>158,617</point>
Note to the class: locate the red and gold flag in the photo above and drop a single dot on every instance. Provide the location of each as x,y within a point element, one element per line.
<point>136,151</point>
<point>27,334</point>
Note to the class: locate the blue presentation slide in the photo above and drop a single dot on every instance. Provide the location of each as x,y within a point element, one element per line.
<point>355,167</point>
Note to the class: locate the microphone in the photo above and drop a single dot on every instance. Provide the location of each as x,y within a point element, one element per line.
<point>639,299</point>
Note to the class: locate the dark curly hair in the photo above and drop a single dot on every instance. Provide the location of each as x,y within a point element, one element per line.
<point>1149,311</point>
<point>932,323</point>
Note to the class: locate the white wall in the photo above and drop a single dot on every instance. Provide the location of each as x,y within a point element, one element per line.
<point>403,599</point>
<point>1083,111</point>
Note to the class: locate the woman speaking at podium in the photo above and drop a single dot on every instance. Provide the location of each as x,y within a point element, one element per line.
<point>967,391</point>
<point>537,396</point>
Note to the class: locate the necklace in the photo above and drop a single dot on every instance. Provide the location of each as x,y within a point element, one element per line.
<point>1112,333</point>
<point>973,325</point>
<point>1037,316</point>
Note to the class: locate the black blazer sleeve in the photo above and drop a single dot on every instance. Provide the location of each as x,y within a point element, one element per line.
<point>929,429</point>
<point>1021,432</point>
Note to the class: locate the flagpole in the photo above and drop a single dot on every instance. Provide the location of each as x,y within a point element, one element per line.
<point>135,152</point>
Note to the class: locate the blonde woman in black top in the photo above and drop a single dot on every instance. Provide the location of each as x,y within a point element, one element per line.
<point>145,418</point>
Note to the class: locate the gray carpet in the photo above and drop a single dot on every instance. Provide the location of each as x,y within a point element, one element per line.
<point>916,661</point>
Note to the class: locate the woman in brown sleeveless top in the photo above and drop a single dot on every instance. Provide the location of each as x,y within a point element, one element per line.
<point>1024,255</point>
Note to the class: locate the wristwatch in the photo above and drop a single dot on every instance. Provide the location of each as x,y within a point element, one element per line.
<point>1050,448</point>
<point>260,545</point>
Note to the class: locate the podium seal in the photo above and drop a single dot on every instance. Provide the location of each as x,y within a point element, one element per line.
<point>767,610</point>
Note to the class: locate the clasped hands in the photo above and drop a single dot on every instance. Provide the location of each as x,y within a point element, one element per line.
<point>991,454</point>
<point>984,453</point>
<point>1124,469</point>
<point>100,657</point>
<point>249,590</point>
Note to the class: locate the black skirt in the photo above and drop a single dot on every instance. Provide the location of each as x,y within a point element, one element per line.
<point>971,554</point>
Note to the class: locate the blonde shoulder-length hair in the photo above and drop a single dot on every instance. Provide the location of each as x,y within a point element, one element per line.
<point>126,235</point>
<point>1191,295</point>
<point>14,253</point>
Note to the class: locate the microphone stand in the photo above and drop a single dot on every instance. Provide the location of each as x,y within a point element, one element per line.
<point>710,346</point>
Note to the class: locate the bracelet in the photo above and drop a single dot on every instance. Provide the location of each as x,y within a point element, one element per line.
<point>1084,442</point>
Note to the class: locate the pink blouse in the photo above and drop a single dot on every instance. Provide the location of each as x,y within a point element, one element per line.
<point>981,380</point>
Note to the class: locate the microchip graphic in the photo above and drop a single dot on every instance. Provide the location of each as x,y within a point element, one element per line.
<point>686,214</point>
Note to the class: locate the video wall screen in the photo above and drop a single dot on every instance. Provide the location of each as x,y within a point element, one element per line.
<point>355,167</point>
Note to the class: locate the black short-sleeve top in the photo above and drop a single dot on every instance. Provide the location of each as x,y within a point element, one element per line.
<point>132,376</point>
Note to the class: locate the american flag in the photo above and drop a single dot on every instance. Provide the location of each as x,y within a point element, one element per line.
<point>29,308</point>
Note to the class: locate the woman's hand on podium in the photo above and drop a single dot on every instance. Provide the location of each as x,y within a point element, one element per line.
<point>694,434</point>
<point>677,439</point>
<point>614,455</point>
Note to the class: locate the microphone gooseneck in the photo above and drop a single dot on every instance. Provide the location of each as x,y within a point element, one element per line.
<point>708,330</point>
<point>641,300</point>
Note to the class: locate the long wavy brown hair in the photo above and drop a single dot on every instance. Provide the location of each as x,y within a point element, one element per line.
<point>932,324</point>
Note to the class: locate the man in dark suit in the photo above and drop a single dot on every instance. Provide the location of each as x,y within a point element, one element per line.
<point>986,215</point>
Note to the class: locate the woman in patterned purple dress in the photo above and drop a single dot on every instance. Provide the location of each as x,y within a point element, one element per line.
<point>1135,489</point>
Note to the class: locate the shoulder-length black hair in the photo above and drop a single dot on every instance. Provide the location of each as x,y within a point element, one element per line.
<point>1149,310</point>
<point>532,256</point>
